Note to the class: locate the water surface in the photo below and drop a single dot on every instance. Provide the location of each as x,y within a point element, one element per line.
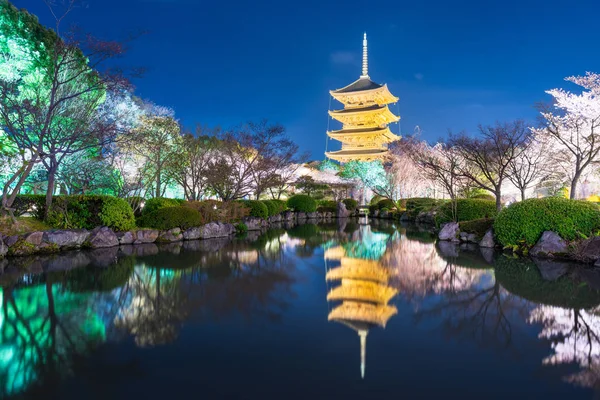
<point>251,318</point>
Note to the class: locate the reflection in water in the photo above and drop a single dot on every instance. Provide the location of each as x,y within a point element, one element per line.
<point>363,290</point>
<point>66,306</point>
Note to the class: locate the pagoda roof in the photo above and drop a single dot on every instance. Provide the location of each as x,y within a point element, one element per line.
<point>357,133</point>
<point>362,84</point>
<point>363,312</point>
<point>375,107</point>
<point>363,155</point>
<point>363,270</point>
<point>362,291</point>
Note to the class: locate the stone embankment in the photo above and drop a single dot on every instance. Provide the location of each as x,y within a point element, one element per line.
<point>53,241</point>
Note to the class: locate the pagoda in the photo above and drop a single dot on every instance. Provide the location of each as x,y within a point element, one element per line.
<point>365,118</point>
<point>362,295</point>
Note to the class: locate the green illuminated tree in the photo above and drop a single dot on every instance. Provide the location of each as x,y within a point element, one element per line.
<point>51,91</point>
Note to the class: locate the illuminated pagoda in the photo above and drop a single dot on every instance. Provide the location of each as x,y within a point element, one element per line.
<point>361,293</point>
<point>365,118</point>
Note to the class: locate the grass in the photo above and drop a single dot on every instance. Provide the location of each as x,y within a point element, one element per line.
<point>23,225</point>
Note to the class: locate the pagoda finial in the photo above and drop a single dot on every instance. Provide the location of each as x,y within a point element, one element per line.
<point>363,351</point>
<point>365,61</point>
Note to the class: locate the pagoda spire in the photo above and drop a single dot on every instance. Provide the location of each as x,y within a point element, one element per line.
<point>365,60</point>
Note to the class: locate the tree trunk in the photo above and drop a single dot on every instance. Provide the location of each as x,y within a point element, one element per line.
<point>158,184</point>
<point>498,201</point>
<point>574,185</point>
<point>50,190</point>
<point>523,193</point>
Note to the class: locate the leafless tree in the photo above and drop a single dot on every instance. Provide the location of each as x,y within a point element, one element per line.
<point>530,165</point>
<point>488,157</point>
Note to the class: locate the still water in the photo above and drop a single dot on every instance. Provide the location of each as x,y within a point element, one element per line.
<point>342,310</point>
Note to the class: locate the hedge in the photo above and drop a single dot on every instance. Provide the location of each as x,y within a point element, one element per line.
<point>157,203</point>
<point>522,223</point>
<point>280,204</point>
<point>418,204</point>
<point>88,212</point>
<point>466,210</point>
<point>257,208</point>
<point>302,202</point>
<point>386,203</point>
<point>171,217</point>
<point>215,210</point>
<point>326,206</point>
<point>351,204</point>
<point>274,206</point>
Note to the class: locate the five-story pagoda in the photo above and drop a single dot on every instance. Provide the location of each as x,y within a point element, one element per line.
<point>365,118</point>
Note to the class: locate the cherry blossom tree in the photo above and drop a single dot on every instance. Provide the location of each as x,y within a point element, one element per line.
<point>573,126</point>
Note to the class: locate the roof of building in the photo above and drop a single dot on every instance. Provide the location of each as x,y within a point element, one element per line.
<point>363,83</point>
<point>375,107</point>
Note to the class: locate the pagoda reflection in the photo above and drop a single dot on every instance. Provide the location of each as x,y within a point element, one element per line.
<point>361,292</point>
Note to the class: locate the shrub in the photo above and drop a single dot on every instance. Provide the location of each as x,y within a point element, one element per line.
<point>116,213</point>
<point>280,204</point>
<point>214,210</point>
<point>386,203</point>
<point>326,206</point>
<point>351,204</point>
<point>484,196</point>
<point>302,202</point>
<point>419,204</point>
<point>257,208</point>
<point>477,226</point>
<point>171,217</point>
<point>90,211</point>
<point>241,228</point>
<point>272,208</point>
<point>157,203</point>
<point>33,203</point>
<point>524,222</point>
<point>466,210</point>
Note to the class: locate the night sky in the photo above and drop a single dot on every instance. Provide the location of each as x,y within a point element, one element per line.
<point>454,64</point>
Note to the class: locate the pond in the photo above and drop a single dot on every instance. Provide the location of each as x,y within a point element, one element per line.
<point>342,310</point>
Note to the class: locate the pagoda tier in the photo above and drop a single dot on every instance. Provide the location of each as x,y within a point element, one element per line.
<point>364,136</point>
<point>365,118</point>
<point>363,312</point>
<point>375,116</point>
<point>362,272</point>
<point>363,92</point>
<point>343,156</point>
<point>371,292</point>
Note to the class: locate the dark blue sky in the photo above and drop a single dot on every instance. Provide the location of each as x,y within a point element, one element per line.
<point>454,64</point>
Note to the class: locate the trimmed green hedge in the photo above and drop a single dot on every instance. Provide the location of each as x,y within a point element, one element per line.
<point>257,208</point>
<point>280,204</point>
<point>157,203</point>
<point>418,204</point>
<point>524,222</point>
<point>171,217</point>
<point>271,207</point>
<point>466,210</point>
<point>484,196</point>
<point>386,203</point>
<point>351,204</point>
<point>302,202</point>
<point>326,206</point>
<point>89,211</point>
